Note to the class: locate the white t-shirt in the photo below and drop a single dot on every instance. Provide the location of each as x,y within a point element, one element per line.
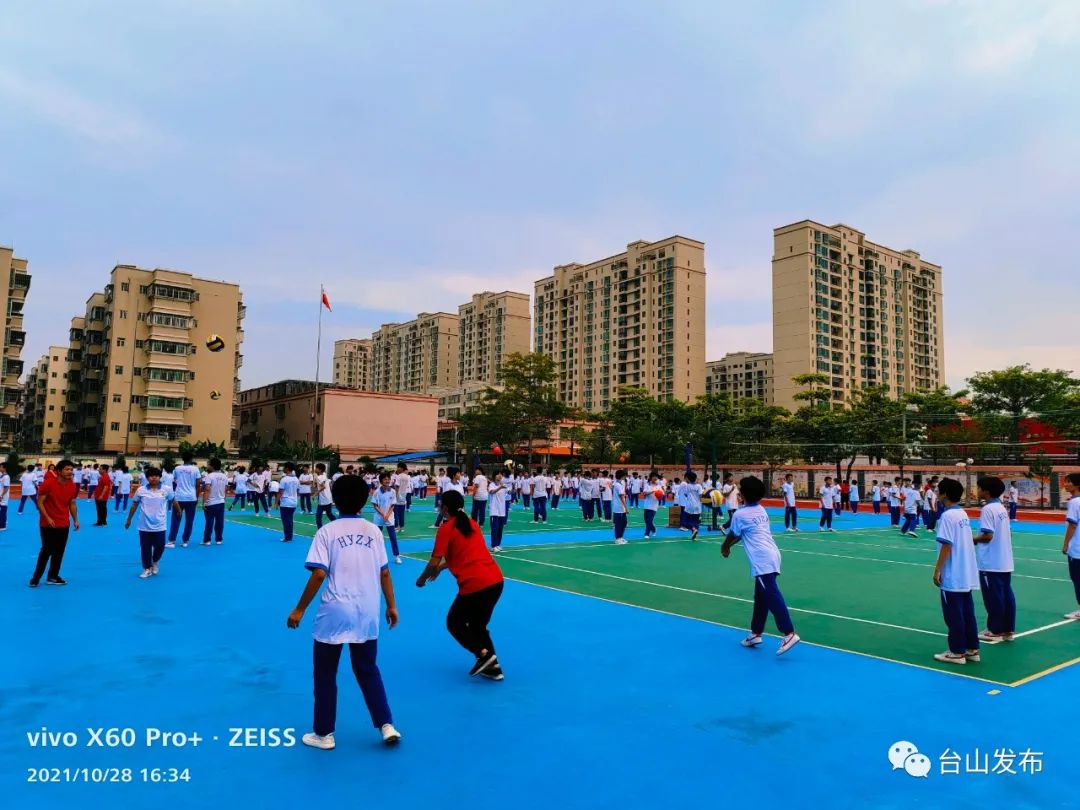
<point>911,500</point>
<point>893,494</point>
<point>39,476</point>
<point>240,481</point>
<point>618,490</point>
<point>498,494</point>
<point>789,494</point>
<point>731,495</point>
<point>1014,495</point>
<point>457,486</point>
<point>826,496</point>
<point>289,486</point>
<point>651,501</point>
<point>352,553</point>
<point>184,478</point>
<point>5,488</point>
<point>853,494</point>
<point>403,484</point>
<point>123,483</point>
<point>692,498</point>
<point>167,481</point>
<point>997,555</point>
<point>322,484</point>
<point>960,573</point>
<point>540,486</point>
<point>94,477</point>
<point>605,489</point>
<point>751,525</point>
<point>29,485</point>
<point>153,508</point>
<point>383,501</point>
<point>930,499</point>
<point>481,488</point>
<point>77,476</point>
<point>305,483</point>
<point>441,482</point>
<point>216,483</point>
<point>875,493</point>
<point>1072,515</point>
<point>275,486</point>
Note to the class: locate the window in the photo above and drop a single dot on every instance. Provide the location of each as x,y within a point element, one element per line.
<point>54,375</point>
<point>114,427</point>
<point>137,371</point>
<point>123,314</point>
<point>120,341</point>
<point>119,370</point>
<point>116,398</point>
<point>139,344</point>
<point>125,286</point>
<point>52,407</point>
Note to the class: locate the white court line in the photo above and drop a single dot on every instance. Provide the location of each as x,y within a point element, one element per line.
<point>730,598</point>
<point>927,549</point>
<point>1035,630</point>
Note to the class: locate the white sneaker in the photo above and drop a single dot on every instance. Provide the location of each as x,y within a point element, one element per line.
<point>951,658</point>
<point>622,541</point>
<point>154,568</point>
<point>316,741</point>
<point>1074,615</point>
<point>790,640</point>
<point>751,640</point>
<point>146,574</point>
<point>170,545</point>
<point>397,560</point>
<point>390,735</point>
<point>990,638</point>
<point>833,531</point>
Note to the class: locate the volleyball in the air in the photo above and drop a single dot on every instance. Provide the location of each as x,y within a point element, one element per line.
<point>214,343</point>
<point>215,394</point>
<point>658,493</point>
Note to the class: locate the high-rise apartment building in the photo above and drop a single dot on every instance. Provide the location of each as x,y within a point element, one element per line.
<point>414,357</point>
<point>141,376</point>
<point>352,363</point>
<point>856,311</point>
<point>636,319</point>
<point>741,375</point>
<point>492,326</point>
<point>14,286</point>
<point>44,400</point>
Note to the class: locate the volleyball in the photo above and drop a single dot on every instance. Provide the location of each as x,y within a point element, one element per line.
<point>716,497</point>
<point>658,493</point>
<point>214,343</point>
<point>215,394</point>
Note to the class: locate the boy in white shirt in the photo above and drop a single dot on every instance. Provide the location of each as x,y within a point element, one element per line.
<point>287,500</point>
<point>853,497</point>
<point>605,496</point>
<point>382,502</point>
<point>994,554</point>
<point>893,495</point>
<point>1014,500</point>
<point>619,516</point>
<point>479,497</point>
<point>791,510</point>
<point>930,504</point>
<point>538,490</point>
<point>498,500</point>
<point>240,481</point>
<point>825,501</point>
<point>875,496</point>
<point>306,482</point>
<point>730,493</point>
<point>324,500</point>
<point>185,498</point>
<point>909,496</point>
<point>5,494</point>
<point>692,504</point>
<point>350,554</point>
<point>957,575</point>
<point>1071,546</point>
<point>123,489</point>
<point>751,525</point>
<point>402,489</point>
<point>152,502</point>
<point>214,487</point>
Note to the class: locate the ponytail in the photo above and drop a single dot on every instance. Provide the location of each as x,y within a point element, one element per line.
<point>454,502</point>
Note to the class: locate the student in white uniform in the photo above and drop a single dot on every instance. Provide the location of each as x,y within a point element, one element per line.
<point>911,500</point>
<point>28,488</point>
<point>731,499</point>
<point>382,501</point>
<point>605,496</point>
<point>454,483</point>
<point>349,554</point>
<point>498,500</point>
<point>152,501</point>
<point>1070,547</point>
<point>306,481</point>
<point>186,495</point>
<point>791,509</point>
<point>853,497</point>
<point>875,496</point>
<point>692,503</point>
<point>825,501</point>
<point>956,574</point>
<point>402,488</point>
<point>539,485</point>
<point>994,555</point>
<point>123,489</point>
<point>5,494</point>
<point>480,497</point>
<point>619,517</point>
<point>652,503</point>
<point>324,499</point>
<point>287,500</point>
<point>215,486</point>
<point>240,481</point>
<point>751,526</point>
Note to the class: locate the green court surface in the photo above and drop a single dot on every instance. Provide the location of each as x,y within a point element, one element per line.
<point>863,590</point>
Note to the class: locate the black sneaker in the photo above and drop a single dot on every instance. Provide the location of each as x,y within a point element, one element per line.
<point>56,581</point>
<point>483,662</point>
<point>33,583</point>
<point>493,673</point>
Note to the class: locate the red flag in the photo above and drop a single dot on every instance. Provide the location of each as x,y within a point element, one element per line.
<point>326,301</point>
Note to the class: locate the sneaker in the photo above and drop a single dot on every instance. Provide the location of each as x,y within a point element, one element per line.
<point>693,535</point>
<point>788,531</point>
<point>154,568</point>
<point>390,735</point>
<point>203,543</point>
<point>951,657</point>
<point>494,673</point>
<point>973,656</point>
<point>482,663</point>
<point>33,583</point>
<point>285,540</point>
<point>796,530</point>
<point>218,542</point>
<point>1074,615</point>
<point>432,526</point>
<point>167,545</point>
<point>146,574</point>
<point>183,545</point>
<point>751,640</point>
<point>683,529</point>
<point>913,534</point>
<point>991,638</point>
<point>833,531</point>
<point>790,640</point>
<point>56,581</point>
<point>621,541</point>
<point>821,529</point>
<point>397,560</point>
<point>317,741</point>
<point>1008,636</point>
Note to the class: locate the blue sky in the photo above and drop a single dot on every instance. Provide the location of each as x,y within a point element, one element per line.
<point>408,154</point>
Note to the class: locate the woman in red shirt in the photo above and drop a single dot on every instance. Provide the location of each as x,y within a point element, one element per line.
<point>460,546</point>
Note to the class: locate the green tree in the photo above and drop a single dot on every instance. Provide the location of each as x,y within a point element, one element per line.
<point>712,423</point>
<point>939,416</point>
<point>528,382</point>
<point>1020,391</point>
<point>817,392</point>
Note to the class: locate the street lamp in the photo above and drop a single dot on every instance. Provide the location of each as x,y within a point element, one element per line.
<point>910,407</point>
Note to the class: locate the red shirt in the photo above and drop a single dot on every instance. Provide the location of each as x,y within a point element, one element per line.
<point>467,558</point>
<point>104,489</point>
<point>59,495</point>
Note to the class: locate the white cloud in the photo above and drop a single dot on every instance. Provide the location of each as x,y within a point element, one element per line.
<point>1004,35</point>
<point>103,125</point>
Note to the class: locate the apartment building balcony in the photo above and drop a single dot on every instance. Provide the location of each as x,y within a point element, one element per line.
<point>16,337</point>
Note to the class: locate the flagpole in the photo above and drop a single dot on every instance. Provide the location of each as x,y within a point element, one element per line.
<point>315,407</point>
